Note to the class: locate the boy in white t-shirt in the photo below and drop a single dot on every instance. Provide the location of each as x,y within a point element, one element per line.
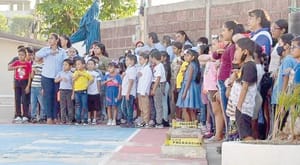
<point>158,85</point>
<point>129,90</point>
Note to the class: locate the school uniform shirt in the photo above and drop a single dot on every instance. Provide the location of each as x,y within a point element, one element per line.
<point>297,74</point>
<point>67,82</point>
<point>263,38</point>
<point>275,60</point>
<point>82,82</point>
<point>23,72</point>
<point>93,88</point>
<point>159,71</point>
<point>52,63</point>
<point>144,81</point>
<point>175,66</point>
<point>130,74</point>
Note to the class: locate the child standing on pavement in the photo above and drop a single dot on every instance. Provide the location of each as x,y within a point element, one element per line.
<point>64,78</point>
<point>93,92</point>
<point>189,94</point>
<point>36,92</point>
<point>82,79</point>
<point>143,89</point>
<point>22,82</point>
<point>129,89</point>
<point>113,82</point>
<point>158,85</point>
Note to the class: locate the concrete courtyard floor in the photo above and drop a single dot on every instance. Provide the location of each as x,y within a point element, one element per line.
<point>36,144</point>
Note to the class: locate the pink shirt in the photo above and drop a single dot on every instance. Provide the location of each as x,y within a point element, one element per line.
<point>210,76</point>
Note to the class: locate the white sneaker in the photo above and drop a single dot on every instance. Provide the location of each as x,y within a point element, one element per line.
<point>113,122</point>
<point>94,121</point>
<point>109,122</point>
<point>18,119</point>
<point>152,123</point>
<point>24,119</point>
<point>89,121</point>
<point>123,121</point>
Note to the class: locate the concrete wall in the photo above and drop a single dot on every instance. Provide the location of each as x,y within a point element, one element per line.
<point>189,16</point>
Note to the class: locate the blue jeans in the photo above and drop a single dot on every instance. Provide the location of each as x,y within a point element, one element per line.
<point>127,108</point>
<point>81,106</point>
<point>37,97</point>
<point>50,89</point>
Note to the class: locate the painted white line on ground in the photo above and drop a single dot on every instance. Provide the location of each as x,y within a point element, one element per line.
<point>110,155</point>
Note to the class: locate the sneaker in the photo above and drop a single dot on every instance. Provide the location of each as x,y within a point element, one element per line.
<point>165,123</point>
<point>24,119</point>
<point>85,123</point>
<point>138,120</point>
<point>109,122</point>
<point>33,120</point>
<point>77,123</point>
<point>94,121</point>
<point>152,123</point>
<point>113,122</point>
<point>123,121</point>
<point>89,121</point>
<point>159,126</point>
<point>208,135</point>
<point>148,126</point>
<point>18,119</point>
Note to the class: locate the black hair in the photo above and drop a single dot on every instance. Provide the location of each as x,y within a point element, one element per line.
<point>178,45</point>
<point>112,64</point>
<point>145,55</point>
<point>69,44</point>
<point>81,60</point>
<point>165,54</point>
<point>235,27</point>
<point>282,24</point>
<point>204,49</point>
<point>29,49</point>
<point>204,40</point>
<point>57,38</point>
<point>68,61</point>
<point>102,48</point>
<point>95,58</point>
<point>297,39</point>
<point>22,49</point>
<point>154,53</point>
<point>92,61</point>
<point>263,15</point>
<point>185,47</point>
<point>186,38</point>
<point>20,46</point>
<point>246,44</point>
<point>132,57</point>
<point>154,37</point>
<point>287,38</point>
<point>167,40</point>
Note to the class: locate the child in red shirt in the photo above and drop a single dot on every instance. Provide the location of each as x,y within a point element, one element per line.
<point>22,79</point>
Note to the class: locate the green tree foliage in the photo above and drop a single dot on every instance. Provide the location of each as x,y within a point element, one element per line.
<point>21,25</point>
<point>63,16</point>
<point>3,24</point>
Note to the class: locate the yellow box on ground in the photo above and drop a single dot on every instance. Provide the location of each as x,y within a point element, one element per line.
<point>184,142</point>
<point>184,124</point>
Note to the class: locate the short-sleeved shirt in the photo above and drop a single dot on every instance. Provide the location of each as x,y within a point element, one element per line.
<point>93,88</point>
<point>103,63</point>
<point>22,73</point>
<point>159,71</point>
<point>67,82</point>
<point>249,75</point>
<point>297,74</point>
<point>287,63</point>
<point>180,74</point>
<point>82,82</point>
<point>175,66</point>
<point>36,80</point>
<point>116,80</point>
<point>130,74</point>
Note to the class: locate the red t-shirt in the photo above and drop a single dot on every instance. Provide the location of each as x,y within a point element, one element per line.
<point>23,72</point>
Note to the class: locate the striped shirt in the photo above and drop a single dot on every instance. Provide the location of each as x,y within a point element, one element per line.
<point>36,80</point>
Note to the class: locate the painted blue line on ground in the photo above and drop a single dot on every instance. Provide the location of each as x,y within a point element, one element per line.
<point>53,144</point>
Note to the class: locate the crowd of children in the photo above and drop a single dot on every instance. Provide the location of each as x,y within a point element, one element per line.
<point>225,85</point>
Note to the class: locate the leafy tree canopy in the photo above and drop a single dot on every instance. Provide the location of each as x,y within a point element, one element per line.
<point>21,25</point>
<point>63,16</point>
<point>3,24</point>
